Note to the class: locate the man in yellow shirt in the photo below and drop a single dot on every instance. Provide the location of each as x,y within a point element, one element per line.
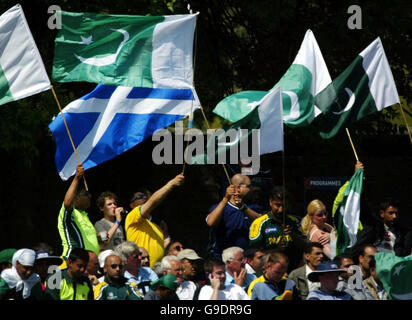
<point>141,230</point>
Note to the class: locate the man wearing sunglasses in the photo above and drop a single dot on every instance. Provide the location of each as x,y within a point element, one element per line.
<point>75,228</point>
<point>115,286</point>
<point>141,230</point>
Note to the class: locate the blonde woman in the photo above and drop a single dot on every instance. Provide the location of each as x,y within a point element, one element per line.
<point>315,227</point>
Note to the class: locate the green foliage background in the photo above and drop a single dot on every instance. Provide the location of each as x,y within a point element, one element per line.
<point>240,45</point>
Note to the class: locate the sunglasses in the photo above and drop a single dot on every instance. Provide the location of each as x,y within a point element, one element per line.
<point>138,197</point>
<point>321,214</point>
<point>114,266</point>
<point>178,248</point>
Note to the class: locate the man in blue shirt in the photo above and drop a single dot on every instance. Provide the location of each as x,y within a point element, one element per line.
<point>231,218</point>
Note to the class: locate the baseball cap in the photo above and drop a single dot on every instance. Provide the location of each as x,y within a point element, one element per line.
<point>323,268</point>
<point>42,255</point>
<point>188,254</point>
<point>6,255</point>
<point>168,281</point>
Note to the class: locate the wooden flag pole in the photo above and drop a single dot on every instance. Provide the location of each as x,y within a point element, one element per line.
<point>351,143</point>
<point>406,123</point>
<point>70,136</point>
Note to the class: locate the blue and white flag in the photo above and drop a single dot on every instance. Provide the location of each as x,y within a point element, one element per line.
<point>111,120</point>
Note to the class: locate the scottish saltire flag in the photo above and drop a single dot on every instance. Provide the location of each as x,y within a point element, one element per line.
<point>346,216</point>
<point>365,87</point>
<point>22,72</point>
<point>395,274</point>
<point>111,120</point>
<point>306,77</point>
<point>125,50</point>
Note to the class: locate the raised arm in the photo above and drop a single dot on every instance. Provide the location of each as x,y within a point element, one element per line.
<point>214,217</point>
<point>70,196</point>
<point>160,195</point>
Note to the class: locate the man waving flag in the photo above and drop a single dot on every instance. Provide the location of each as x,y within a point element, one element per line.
<point>365,87</point>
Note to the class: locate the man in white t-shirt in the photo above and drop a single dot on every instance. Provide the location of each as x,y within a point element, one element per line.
<point>217,290</point>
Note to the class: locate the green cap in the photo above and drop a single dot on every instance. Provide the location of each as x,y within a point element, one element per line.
<point>6,255</point>
<point>168,281</point>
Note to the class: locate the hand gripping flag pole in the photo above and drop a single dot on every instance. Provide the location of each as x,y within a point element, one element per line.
<point>70,136</point>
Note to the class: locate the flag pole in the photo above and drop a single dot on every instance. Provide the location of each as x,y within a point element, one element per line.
<point>68,132</point>
<point>406,122</point>
<point>351,143</point>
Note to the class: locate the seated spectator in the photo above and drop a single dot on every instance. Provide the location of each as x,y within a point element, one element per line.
<point>313,256</point>
<point>235,267</point>
<point>254,257</point>
<point>109,230</point>
<point>174,247</point>
<point>186,289</point>
<point>314,226</point>
<point>102,257</point>
<point>218,289</point>
<point>192,269</point>
<point>134,272</point>
<point>115,286</point>
<point>367,252</point>
<point>145,257</point>
<point>327,273</point>
<point>357,288</point>
<point>163,289</point>
<point>373,283</point>
<point>274,286</point>
<point>20,282</point>
<point>92,268</point>
<point>6,257</point>
<point>44,260</point>
<point>74,284</point>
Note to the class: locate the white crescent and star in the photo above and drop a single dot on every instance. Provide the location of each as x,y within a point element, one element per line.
<point>403,296</point>
<point>350,102</point>
<point>107,60</point>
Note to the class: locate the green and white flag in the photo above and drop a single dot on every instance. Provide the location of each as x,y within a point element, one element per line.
<point>22,73</point>
<point>125,50</point>
<point>365,87</point>
<point>306,77</point>
<point>266,117</point>
<point>347,214</point>
<point>395,274</point>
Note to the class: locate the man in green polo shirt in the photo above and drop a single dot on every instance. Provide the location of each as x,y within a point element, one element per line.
<point>271,232</point>
<point>71,283</point>
<point>115,286</point>
<point>75,228</point>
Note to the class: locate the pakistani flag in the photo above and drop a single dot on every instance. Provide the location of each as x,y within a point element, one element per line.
<point>365,87</point>
<point>306,77</point>
<point>347,213</point>
<point>395,274</point>
<point>126,50</point>
<point>22,72</point>
<point>265,118</point>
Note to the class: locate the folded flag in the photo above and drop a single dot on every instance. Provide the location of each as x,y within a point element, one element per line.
<point>395,274</point>
<point>346,216</point>
<point>111,120</point>
<point>22,72</point>
<point>126,50</point>
<point>365,87</point>
<point>306,77</point>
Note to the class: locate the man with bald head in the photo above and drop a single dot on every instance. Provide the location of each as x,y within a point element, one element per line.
<point>115,286</point>
<point>230,219</point>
